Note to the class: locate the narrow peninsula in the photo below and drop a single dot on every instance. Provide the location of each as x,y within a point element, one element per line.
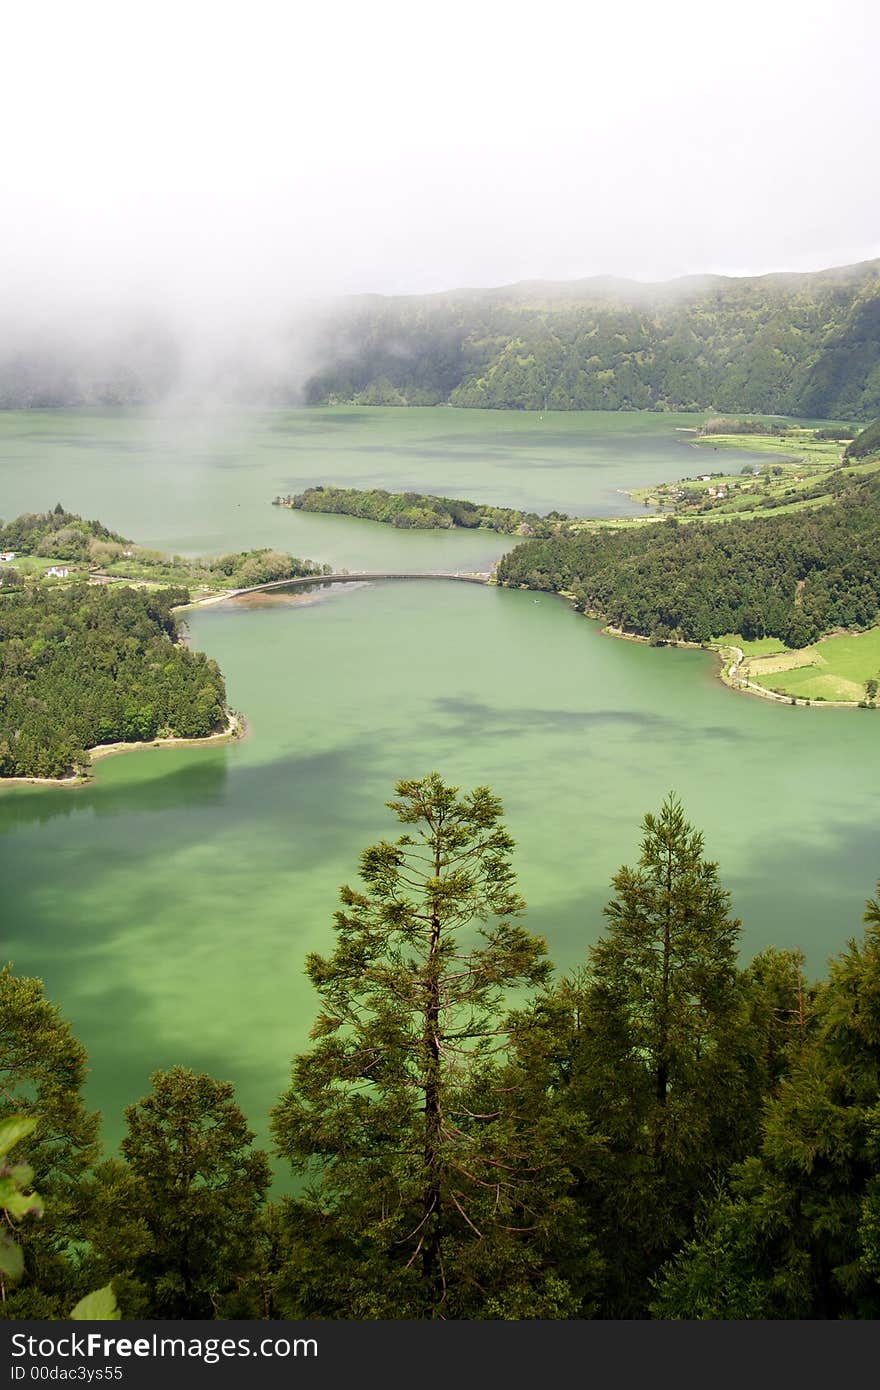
<point>419,511</point>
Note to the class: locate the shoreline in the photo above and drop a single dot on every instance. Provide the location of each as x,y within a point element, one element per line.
<point>729,658</point>
<point>732,658</point>
<point>237,729</point>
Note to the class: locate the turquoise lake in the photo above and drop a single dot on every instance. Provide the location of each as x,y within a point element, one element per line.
<point>169,905</point>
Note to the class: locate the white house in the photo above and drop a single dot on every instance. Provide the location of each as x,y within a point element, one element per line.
<point>6,556</point>
<point>58,571</point>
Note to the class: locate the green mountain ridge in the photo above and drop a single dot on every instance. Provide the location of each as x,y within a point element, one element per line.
<point>802,344</point>
<point>790,343</point>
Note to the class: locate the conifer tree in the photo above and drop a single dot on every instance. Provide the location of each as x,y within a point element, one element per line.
<point>667,965</point>
<point>645,1055</point>
<point>420,1192</point>
<point>199,1191</point>
<point>796,1233</point>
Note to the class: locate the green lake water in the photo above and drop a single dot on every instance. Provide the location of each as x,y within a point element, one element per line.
<point>170,904</point>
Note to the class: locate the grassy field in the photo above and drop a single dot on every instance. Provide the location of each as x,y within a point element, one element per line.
<point>34,566</point>
<point>799,440</point>
<point>759,646</point>
<point>799,465</point>
<point>835,668</point>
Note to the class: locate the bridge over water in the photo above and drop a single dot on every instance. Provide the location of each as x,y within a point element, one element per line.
<point>360,576</point>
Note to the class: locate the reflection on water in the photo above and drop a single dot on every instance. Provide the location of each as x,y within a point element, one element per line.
<point>151,789</point>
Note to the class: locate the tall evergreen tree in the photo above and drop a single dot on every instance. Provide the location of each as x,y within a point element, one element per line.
<point>645,1057</point>
<point>419,1192</point>
<point>666,968</point>
<point>796,1233</point>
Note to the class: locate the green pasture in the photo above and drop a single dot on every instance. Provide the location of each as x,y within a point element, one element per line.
<point>835,668</point>
<point>758,646</point>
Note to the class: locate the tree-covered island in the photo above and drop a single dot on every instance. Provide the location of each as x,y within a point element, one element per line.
<point>805,465</point>
<point>420,511</point>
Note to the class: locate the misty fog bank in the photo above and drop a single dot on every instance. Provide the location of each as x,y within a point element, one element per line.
<point>798,344</point>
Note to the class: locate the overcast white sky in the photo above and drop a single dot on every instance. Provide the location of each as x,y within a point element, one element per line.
<point>215,154</point>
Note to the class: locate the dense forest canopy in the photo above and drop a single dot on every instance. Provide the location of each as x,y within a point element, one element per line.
<point>84,665</point>
<point>420,511</point>
<point>793,344</point>
<point>669,1131</point>
<point>795,576</point>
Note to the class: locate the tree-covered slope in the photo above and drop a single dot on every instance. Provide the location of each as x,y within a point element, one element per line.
<point>866,443</point>
<point>85,665</point>
<point>805,345</point>
<point>792,344</point>
<point>793,576</point>
<point>58,534</point>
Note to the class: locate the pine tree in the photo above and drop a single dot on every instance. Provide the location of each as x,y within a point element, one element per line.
<point>646,1057</point>
<point>667,965</point>
<point>419,1192</point>
<point>796,1233</point>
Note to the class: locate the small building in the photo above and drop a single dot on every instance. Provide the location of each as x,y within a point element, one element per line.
<point>6,556</point>
<point>58,571</point>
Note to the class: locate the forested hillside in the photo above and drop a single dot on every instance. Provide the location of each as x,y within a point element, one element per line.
<point>794,576</point>
<point>792,344</point>
<point>85,665</point>
<point>805,345</point>
<point>866,443</point>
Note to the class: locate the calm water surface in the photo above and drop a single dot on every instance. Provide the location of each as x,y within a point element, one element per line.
<point>170,904</point>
